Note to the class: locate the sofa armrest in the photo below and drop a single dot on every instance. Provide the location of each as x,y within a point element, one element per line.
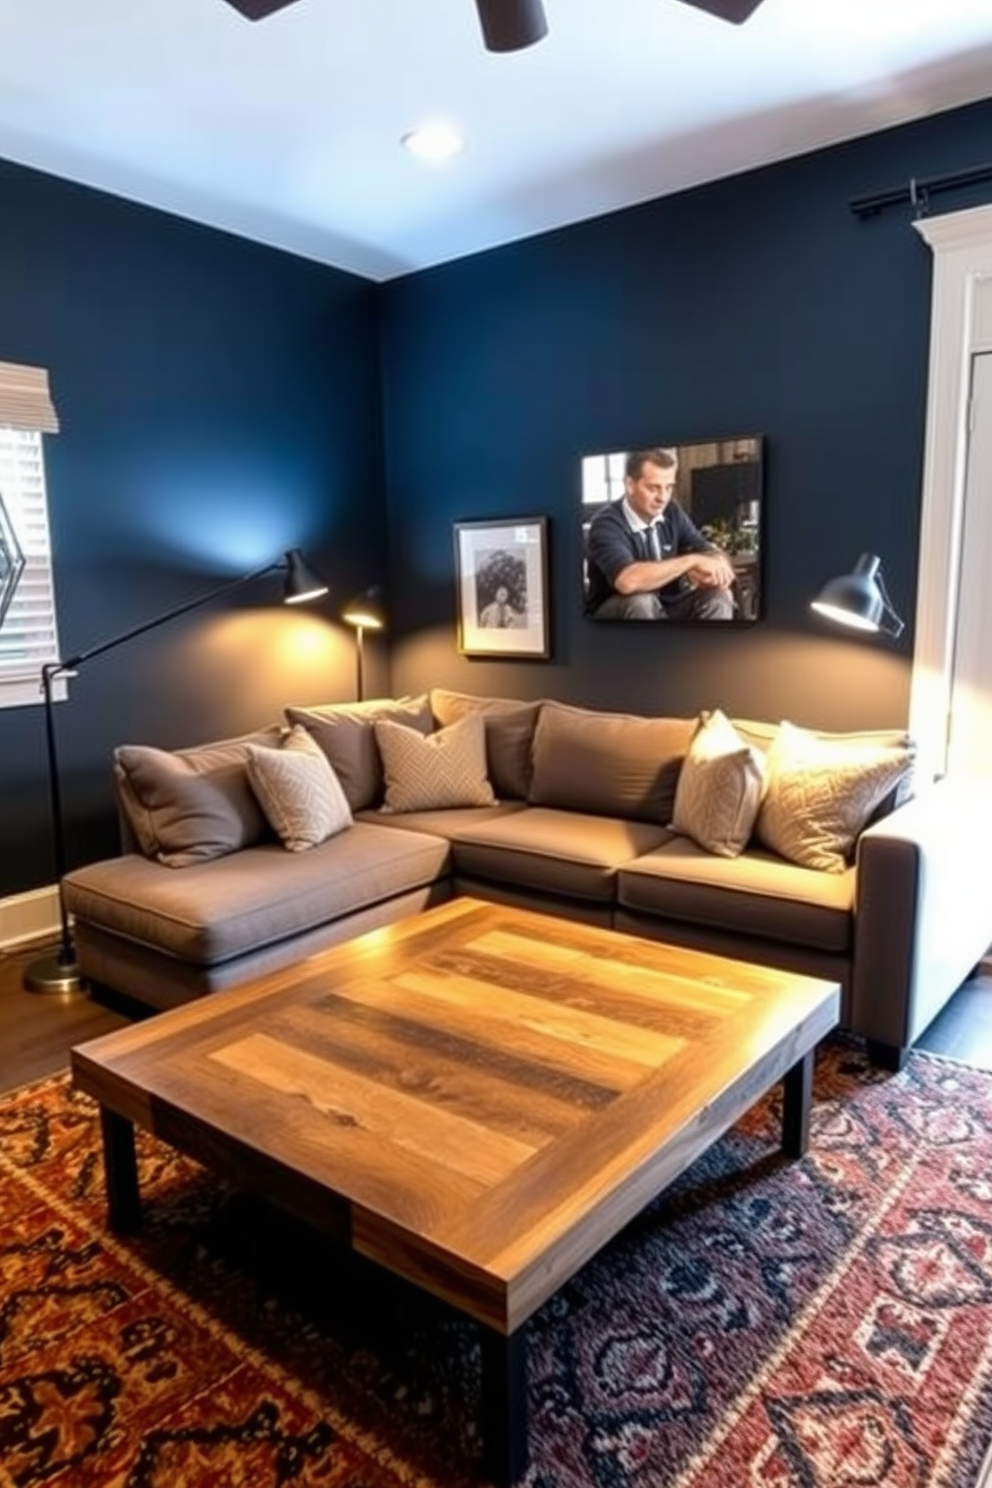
<point>923,908</point>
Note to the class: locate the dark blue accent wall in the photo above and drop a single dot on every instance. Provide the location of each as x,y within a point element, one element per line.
<point>219,403</point>
<point>756,305</point>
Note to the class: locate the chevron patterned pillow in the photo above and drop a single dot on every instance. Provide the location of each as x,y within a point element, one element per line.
<point>431,772</point>
<point>298,790</point>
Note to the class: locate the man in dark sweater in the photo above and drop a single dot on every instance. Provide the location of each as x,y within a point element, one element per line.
<point>646,559</point>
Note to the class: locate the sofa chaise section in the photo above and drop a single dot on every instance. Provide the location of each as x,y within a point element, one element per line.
<point>162,934</point>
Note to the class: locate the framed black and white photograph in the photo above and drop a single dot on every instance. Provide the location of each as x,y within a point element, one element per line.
<point>673,532</point>
<point>501,579</point>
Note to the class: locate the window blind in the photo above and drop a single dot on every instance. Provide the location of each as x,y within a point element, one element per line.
<point>28,634</point>
<point>25,401</point>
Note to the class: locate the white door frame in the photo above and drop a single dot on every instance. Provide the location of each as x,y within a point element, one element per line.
<point>962,248</point>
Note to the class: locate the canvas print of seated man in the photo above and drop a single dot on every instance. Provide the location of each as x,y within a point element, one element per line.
<point>648,554</point>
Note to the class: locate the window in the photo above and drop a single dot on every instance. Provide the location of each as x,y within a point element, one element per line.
<point>28,634</point>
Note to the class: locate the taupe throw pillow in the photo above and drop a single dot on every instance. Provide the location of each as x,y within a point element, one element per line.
<point>190,805</point>
<point>345,734</point>
<point>609,764</point>
<point>719,790</point>
<point>443,769</point>
<point>820,795</point>
<point>298,791</point>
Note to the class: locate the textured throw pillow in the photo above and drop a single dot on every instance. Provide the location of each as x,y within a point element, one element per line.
<point>718,795</point>
<point>509,728</point>
<point>344,732</point>
<point>191,805</point>
<point>820,795</point>
<point>432,773</point>
<point>298,791</point>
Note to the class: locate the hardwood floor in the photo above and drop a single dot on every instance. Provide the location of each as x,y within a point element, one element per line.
<point>963,1029</point>
<point>38,1030</point>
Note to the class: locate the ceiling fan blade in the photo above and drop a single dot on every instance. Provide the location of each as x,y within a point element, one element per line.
<point>257,10</point>
<point>727,10</point>
<point>511,25</point>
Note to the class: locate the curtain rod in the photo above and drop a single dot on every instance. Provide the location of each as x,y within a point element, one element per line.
<point>918,191</point>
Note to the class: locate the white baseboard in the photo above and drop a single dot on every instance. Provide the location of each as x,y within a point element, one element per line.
<point>25,917</point>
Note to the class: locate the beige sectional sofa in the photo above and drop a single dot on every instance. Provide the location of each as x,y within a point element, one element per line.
<point>568,810</point>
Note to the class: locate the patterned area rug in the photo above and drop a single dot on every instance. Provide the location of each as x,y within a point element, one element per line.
<point>821,1324</point>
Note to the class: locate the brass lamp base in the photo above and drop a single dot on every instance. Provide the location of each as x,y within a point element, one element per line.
<point>53,974</point>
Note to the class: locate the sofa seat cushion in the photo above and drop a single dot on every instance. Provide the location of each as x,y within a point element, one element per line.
<point>237,904</point>
<point>555,852</point>
<point>449,823</point>
<point>754,894</point>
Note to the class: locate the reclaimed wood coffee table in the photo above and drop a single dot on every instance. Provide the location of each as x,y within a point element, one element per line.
<point>477,1098</point>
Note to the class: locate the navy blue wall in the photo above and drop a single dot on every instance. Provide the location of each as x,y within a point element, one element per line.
<point>219,403</point>
<point>757,305</point>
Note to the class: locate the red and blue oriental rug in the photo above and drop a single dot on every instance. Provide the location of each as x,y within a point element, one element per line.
<point>820,1324</point>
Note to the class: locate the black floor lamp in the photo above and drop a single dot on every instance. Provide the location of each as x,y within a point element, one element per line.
<point>365,612</point>
<point>58,972</point>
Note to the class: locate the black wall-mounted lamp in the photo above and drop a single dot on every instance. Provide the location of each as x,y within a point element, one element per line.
<point>59,972</point>
<point>365,612</point>
<point>860,599</point>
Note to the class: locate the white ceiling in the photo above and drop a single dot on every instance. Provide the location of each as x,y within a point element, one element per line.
<point>287,130</point>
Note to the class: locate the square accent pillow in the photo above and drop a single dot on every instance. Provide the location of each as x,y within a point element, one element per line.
<point>299,792</point>
<point>190,805</point>
<point>719,789</point>
<point>821,795</point>
<point>608,764</point>
<point>509,726</point>
<point>436,771</point>
<point>345,734</point>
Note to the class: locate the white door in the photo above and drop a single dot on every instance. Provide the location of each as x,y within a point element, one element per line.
<point>970,738</point>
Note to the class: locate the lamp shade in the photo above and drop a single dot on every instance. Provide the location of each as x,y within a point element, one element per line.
<point>859,599</point>
<point>366,610</point>
<point>301,583</point>
<point>511,25</point>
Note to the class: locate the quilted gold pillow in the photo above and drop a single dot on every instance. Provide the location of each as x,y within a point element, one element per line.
<point>821,795</point>
<point>719,788</point>
<point>298,790</point>
<point>431,772</point>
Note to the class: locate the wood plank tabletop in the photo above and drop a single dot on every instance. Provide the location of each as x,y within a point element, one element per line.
<point>478,1097</point>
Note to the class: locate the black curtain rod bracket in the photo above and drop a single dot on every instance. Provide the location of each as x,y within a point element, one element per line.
<point>919,191</point>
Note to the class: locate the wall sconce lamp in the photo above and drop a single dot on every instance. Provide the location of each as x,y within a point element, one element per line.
<point>860,599</point>
<point>59,972</point>
<point>365,612</point>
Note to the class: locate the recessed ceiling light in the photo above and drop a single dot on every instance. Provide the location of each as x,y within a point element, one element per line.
<point>437,141</point>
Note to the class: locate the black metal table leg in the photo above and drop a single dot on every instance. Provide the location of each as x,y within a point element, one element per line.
<point>798,1088</point>
<point>504,1406</point>
<point>121,1170</point>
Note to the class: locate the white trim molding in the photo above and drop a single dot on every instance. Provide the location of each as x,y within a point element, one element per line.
<point>961,243</point>
<point>29,916</point>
